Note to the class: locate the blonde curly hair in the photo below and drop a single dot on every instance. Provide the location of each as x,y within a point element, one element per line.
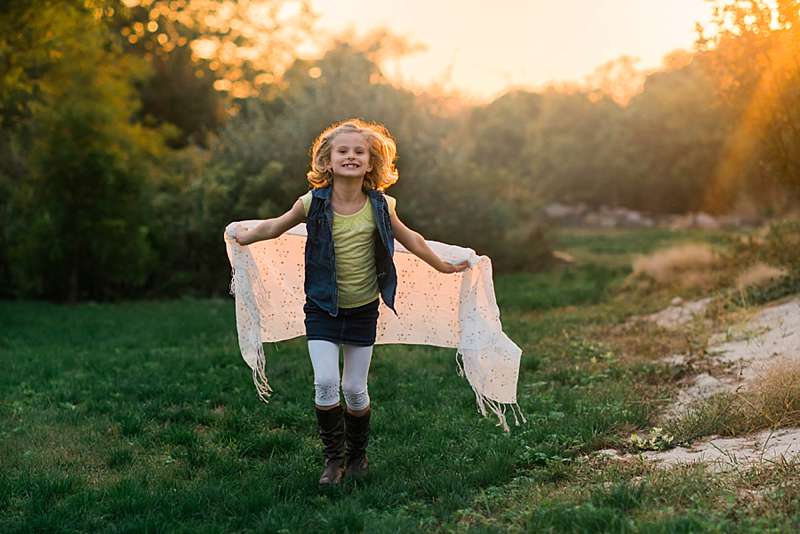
<point>382,154</point>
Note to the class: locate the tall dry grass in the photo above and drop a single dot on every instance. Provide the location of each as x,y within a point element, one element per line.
<point>685,266</point>
<point>774,398</point>
<point>770,401</point>
<point>759,275</point>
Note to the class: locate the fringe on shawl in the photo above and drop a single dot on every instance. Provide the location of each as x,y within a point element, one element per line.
<point>498,408</point>
<point>259,374</point>
<point>260,377</point>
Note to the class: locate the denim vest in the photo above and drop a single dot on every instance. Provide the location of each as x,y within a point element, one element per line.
<point>320,281</point>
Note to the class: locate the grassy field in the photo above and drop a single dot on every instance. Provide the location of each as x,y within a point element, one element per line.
<point>142,417</point>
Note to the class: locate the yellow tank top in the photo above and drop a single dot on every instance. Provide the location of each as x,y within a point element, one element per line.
<point>354,246</point>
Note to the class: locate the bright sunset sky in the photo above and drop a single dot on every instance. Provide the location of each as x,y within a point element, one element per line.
<point>493,44</point>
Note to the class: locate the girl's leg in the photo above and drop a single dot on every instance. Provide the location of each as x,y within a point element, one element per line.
<point>325,361</point>
<point>330,416</point>
<point>354,382</point>
<point>359,410</point>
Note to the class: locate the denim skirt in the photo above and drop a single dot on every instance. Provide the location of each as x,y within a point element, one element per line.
<point>351,326</point>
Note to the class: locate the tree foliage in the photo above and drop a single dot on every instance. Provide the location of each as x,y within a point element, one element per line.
<point>133,131</point>
<point>77,214</point>
<point>750,50</point>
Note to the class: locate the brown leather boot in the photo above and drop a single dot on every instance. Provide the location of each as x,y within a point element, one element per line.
<point>356,439</point>
<point>331,430</point>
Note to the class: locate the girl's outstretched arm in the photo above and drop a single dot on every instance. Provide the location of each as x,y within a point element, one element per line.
<point>416,244</point>
<point>271,228</point>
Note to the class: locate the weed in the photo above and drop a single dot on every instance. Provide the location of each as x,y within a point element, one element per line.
<point>658,440</point>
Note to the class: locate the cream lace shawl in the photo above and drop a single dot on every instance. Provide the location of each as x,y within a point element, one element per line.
<point>444,310</point>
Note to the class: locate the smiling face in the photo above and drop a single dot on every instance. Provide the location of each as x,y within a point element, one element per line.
<point>350,155</point>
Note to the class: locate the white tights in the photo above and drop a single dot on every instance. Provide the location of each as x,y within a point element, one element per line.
<point>325,360</point>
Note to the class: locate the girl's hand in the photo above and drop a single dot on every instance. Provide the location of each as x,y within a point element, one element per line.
<point>451,268</point>
<point>240,235</point>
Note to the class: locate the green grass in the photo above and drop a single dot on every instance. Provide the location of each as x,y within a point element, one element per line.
<point>620,244</point>
<point>141,416</point>
<point>593,496</point>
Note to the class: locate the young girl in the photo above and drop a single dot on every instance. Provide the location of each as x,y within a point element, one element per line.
<point>351,227</point>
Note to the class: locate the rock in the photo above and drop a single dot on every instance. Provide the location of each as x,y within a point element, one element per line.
<point>705,221</point>
<point>557,210</point>
<point>600,220</point>
<point>694,220</point>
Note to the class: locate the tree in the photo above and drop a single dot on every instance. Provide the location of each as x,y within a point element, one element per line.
<point>618,79</point>
<point>78,219</point>
<point>675,130</point>
<point>750,50</point>
<point>574,146</point>
<point>207,56</point>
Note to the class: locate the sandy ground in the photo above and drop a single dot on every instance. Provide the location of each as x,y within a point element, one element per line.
<point>679,313</point>
<point>726,454</point>
<point>742,352</point>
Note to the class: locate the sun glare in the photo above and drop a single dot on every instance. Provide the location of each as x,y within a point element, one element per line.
<point>738,153</point>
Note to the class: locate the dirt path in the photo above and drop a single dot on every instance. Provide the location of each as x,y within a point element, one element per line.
<point>742,354</point>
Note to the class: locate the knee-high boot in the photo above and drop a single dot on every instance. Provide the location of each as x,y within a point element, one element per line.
<point>357,437</point>
<point>331,430</point>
